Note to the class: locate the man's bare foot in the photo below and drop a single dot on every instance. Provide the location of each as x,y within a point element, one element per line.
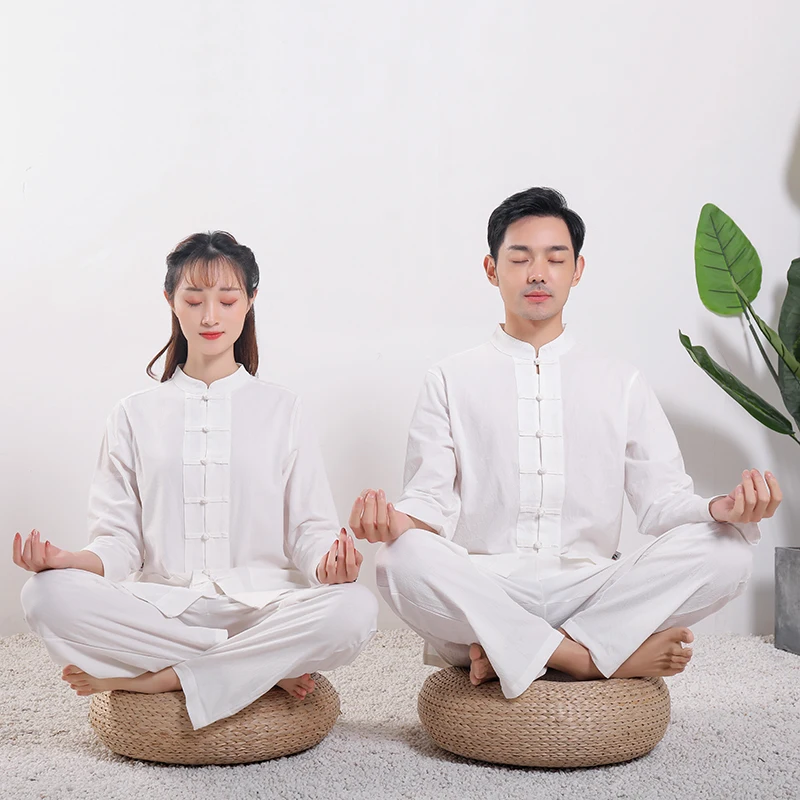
<point>480,668</point>
<point>659,656</point>
<point>298,687</point>
<point>166,680</point>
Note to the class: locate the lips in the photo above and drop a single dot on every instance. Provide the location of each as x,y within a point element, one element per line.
<point>537,298</point>
<point>211,335</point>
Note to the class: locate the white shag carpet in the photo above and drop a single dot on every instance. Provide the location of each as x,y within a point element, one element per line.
<point>735,733</point>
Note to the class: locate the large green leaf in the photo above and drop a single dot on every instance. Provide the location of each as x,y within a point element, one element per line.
<point>723,258</point>
<point>789,330</point>
<point>756,406</point>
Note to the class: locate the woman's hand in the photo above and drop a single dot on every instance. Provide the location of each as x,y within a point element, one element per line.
<point>37,556</point>
<point>341,563</point>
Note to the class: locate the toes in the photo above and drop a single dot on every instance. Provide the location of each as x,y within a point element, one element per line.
<point>70,669</point>
<point>475,652</point>
<point>686,635</point>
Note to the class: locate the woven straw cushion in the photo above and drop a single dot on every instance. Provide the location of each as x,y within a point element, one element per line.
<point>557,722</point>
<point>156,727</point>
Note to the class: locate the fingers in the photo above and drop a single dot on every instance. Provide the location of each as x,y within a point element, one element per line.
<point>776,495</point>
<point>16,550</point>
<point>37,559</point>
<point>381,517</point>
<point>350,566</point>
<point>341,563</point>
<point>330,563</point>
<point>749,496</point>
<point>355,518</point>
<point>369,516</point>
<point>26,552</point>
<point>762,495</point>
<point>737,512</point>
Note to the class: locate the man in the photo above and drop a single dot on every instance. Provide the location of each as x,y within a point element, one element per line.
<point>502,551</point>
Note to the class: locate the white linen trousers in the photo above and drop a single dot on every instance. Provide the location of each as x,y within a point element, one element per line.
<point>225,653</point>
<point>453,599</point>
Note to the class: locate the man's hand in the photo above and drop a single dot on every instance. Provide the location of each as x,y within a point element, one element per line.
<point>375,520</point>
<point>341,563</point>
<point>37,556</point>
<point>751,501</point>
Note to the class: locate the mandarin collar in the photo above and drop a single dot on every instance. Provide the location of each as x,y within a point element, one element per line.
<point>516,348</point>
<point>219,388</point>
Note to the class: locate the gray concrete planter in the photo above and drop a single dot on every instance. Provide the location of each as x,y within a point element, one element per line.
<point>787,599</point>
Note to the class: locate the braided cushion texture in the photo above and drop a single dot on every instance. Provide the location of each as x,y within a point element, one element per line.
<point>156,727</point>
<point>557,722</point>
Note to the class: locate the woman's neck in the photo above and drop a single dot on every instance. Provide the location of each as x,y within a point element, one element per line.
<point>210,368</point>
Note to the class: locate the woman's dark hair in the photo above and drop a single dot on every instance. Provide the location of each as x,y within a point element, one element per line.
<point>535,202</point>
<point>200,256</point>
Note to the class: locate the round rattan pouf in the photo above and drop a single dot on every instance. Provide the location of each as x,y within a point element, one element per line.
<point>557,722</point>
<point>156,727</point>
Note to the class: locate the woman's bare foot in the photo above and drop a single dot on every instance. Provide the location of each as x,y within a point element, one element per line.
<point>84,684</point>
<point>298,687</point>
<point>661,655</point>
<point>480,668</point>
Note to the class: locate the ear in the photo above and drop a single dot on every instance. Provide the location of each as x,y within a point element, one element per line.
<point>576,276</point>
<point>491,270</point>
<point>166,297</point>
<point>253,299</point>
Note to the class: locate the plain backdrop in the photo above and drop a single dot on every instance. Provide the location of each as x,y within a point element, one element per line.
<point>359,148</point>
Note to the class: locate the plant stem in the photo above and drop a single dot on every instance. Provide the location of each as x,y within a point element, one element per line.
<point>761,347</point>
<point>795,438</point>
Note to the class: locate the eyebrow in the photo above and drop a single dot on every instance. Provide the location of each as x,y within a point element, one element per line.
<point>202,289</point>
<point>556,248</point>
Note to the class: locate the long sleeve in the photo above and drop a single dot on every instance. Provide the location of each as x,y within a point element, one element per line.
<point>431,474</point>
<point>115,509</point>
<point>658,488</point>
<point>310,517</point>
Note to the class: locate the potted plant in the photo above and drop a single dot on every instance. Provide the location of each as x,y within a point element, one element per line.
<point>728,273</point>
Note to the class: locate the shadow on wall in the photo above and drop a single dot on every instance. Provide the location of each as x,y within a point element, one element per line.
<point>793,170</point>
<point>715,458</point>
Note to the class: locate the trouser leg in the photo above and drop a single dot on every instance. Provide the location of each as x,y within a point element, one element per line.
<point>309,631</point>
<point>87,620</point>
<point>683,577</point>
<point>434,587</point>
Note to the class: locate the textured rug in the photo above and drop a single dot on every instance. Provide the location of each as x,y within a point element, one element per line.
<point>735,733</point>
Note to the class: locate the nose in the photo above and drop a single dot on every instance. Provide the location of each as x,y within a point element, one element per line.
<point>209,315</point>
<point>536,272</point>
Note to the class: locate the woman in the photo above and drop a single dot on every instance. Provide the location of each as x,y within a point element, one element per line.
<point>215,564</point>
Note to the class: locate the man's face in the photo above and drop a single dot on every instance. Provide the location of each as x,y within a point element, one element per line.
<point>535,268</point>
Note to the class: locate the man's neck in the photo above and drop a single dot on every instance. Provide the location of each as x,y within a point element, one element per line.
<point>210,369</point>
<point>535,332</point>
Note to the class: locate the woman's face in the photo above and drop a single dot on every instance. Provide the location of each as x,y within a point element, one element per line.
<point>211,305</point>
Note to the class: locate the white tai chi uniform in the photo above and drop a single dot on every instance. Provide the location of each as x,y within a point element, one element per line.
<point>210,510</point>
<point>523,474</point>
